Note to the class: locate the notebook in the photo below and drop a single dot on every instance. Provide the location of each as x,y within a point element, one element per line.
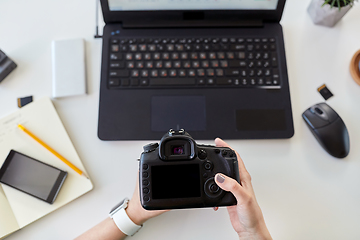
<point>18,209</point>
<point>211,67</point>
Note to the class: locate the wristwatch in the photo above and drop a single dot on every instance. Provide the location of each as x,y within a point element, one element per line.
<point>122,220</point>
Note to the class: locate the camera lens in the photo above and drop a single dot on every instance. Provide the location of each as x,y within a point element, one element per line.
<point>177,150</point>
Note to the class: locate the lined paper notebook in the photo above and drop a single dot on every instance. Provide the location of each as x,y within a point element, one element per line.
<point>18,209</point>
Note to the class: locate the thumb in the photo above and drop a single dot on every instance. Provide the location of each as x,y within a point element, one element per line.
<point>231,185</point>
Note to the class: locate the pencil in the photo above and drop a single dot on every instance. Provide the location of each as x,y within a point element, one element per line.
<point>72,166</point>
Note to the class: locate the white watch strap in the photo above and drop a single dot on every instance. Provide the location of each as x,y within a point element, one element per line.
<point>124,223</point>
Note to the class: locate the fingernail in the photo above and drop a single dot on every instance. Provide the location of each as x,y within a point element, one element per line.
<point>220,178</point>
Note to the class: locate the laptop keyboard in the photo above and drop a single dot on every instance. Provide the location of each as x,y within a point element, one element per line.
<point>193,63</point>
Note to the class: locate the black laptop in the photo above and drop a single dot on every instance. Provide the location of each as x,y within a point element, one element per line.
<point>211,67</point>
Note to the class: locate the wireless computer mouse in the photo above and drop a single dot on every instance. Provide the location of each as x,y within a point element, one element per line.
<point>329,129</point>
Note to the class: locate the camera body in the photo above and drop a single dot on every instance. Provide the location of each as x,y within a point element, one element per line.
<point>6,65</point>
<point>178,173</point>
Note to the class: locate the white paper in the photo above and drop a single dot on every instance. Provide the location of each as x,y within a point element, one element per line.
<point>8,221</point>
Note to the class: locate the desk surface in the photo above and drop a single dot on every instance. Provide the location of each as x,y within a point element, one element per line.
<point>304,193</point>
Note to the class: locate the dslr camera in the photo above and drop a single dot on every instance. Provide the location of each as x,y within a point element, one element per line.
<point>178,173</point>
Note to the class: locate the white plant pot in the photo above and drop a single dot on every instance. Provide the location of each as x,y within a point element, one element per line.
<point>325,15</point>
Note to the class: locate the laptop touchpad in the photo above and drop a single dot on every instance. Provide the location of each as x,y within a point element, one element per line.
<point>177,112</point>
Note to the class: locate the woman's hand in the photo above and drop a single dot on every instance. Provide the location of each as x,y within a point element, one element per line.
<point>246,217</point>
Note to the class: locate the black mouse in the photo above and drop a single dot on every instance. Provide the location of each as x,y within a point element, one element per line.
<point>329,129</point>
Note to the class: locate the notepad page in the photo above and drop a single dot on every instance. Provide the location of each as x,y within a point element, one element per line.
<point>40,118</point>
<point>8,221</point>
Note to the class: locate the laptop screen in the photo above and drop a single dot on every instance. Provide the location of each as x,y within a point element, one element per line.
<point>154,5</point>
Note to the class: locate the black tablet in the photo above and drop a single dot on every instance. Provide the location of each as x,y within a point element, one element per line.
<point>31,176</point>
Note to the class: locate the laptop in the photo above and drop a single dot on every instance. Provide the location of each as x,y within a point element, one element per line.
<point>215,68</point>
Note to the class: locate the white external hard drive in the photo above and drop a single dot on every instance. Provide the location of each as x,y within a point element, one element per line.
<point>68,63</point>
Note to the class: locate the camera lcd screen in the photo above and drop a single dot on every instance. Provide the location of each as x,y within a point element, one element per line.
<point>175,181</point>
<point>31,176</point>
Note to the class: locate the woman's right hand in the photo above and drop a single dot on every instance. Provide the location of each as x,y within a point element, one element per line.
<point>246,217</point>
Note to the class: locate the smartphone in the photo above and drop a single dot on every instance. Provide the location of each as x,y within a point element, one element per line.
<point>31,176</point>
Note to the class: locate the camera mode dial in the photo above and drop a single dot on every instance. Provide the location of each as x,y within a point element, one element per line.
<point>150,147</point>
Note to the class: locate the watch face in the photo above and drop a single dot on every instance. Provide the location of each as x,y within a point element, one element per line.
<point>122,204</point>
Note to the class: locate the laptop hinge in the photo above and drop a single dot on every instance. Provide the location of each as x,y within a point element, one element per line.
<point>193,24</point>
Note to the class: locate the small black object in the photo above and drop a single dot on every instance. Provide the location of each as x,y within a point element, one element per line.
<point>6,65</point>
<point>202,154</point>
<point>325,92</point>
<point>180,174</point>
<point>329,129</point>
<point>208,165</point>
<point>23,101</point>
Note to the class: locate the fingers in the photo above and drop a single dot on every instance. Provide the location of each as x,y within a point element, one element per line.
<point>230,185</point>
<point>221,143</point>
<point>245,177</point>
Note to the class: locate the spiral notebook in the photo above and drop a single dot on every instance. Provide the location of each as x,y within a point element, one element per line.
<point>18,209</point>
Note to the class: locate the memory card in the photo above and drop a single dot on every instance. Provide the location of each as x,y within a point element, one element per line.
<point>23,101</point>
<point>325,92</point>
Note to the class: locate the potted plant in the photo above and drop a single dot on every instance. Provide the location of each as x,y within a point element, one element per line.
<point>328,12</point>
